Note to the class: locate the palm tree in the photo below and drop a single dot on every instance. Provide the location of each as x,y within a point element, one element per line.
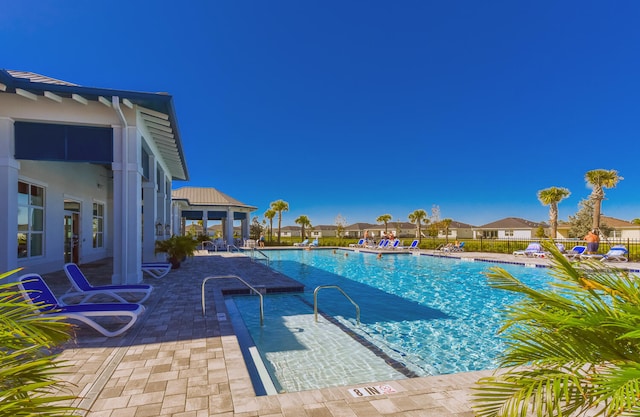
<point>384,218</point>
<point>270,214</point>
<point>27,365</point>
<point>303,221</point>
<point>446,223</point>
<point>551,197</point>
<point>598,180</point>
<point>417,217</point>
<point>279,206</point>
<point>572,346</point>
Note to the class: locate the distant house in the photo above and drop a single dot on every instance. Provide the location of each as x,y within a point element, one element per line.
<point>323,230</point>
<point>508,228</point>
<point>357,230</point>
<point>621,229</point>
<point>287,231</point>
<point>457,230</point>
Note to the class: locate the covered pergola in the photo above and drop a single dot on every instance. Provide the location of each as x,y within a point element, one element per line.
<point>202,203</point>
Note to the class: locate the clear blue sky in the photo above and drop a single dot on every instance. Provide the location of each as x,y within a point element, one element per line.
<point>362,108</point>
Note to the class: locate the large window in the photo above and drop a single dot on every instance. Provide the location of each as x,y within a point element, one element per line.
<point>30,220</point>
<point>98,225</point>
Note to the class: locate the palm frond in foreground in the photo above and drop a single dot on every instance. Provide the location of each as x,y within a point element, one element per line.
<point>571,348</point>
<point>29,370</point>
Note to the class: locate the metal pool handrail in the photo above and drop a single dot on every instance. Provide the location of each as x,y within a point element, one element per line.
<point>315,301</point>
<point>254,258</point>
<point>204,281</point>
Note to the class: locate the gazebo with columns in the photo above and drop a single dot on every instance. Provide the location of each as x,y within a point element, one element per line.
<point>204,204</point>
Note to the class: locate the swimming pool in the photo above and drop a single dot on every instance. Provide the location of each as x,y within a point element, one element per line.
<point>432,315</point>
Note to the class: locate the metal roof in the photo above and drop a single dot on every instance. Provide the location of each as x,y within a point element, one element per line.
<point>201,196</point>
<point>156,108</point>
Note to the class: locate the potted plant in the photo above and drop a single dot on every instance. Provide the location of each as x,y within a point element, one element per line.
<point>177,248</point>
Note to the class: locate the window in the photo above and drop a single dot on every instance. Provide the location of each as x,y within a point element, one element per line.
<point>98,225</point>
<point>30,220</point>
<point>508,233</point>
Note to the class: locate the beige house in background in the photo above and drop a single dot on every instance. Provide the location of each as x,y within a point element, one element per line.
<point>621,229</point>
<point>508,228</point>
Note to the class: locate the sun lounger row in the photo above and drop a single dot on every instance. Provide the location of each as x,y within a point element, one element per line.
<point>577,253</point>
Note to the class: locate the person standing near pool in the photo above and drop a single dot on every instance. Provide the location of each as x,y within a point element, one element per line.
<point>593,241</point>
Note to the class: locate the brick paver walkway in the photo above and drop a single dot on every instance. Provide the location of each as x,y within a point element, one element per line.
<point>175,362</point>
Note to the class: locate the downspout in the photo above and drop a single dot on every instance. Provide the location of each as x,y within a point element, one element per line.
<point>115,101</point>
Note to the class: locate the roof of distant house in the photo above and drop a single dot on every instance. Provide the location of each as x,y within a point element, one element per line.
<point>512,223</point>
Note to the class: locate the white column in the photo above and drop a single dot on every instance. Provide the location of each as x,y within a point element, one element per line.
<point>150,214</point>
<point>9,169</point>
<point>245,227</point>
<point>229,227</point>
<point>127,201</point>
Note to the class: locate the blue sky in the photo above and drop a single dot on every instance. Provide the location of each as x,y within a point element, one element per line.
<point>362,108</point>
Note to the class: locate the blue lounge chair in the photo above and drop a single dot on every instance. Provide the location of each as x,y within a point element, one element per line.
<point>394,245</point>
<point>82,287</point>
<point>414,245</point>
<point>36,291</point>
<point>575,252</point>
<point>531,250</point>
<point>315,242</point>
<point>303,243</point>
<point>615,254</point>
<point>357,245</point>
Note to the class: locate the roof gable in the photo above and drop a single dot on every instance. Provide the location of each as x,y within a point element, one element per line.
<point>512,223</point>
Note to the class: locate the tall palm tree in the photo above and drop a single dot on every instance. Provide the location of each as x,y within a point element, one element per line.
<point>28,382</point>
<point>270,214</point>
<point>417,217</point>
<point>598,180</point>
<point>384,218</point>
<point>279,206</point>
<point>303,221</point>
<point>573,345</point>
<point>551,197</point>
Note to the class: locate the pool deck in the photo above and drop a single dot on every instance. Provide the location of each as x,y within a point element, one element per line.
<point>175,362</point>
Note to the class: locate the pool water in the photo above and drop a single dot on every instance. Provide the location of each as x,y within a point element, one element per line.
<point>433,315</point>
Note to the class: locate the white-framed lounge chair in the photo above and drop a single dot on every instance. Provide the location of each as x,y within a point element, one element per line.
<point>575,252</point>
<point>530,251</point>
<point>156,269</point>
<point>616,254</point>
<point>394,245</point>
<point>315,243</point>
<point>454,248</point>
<point>414,245</point>
<point>303,243</point>
<point>36,291</point>
<point>546,254</point>
<point>357,245</point>
<point>81,287</point>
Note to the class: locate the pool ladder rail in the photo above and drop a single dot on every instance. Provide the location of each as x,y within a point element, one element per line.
<point>258,255</point>
<point>315,301</point>
<point>204,281</point>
